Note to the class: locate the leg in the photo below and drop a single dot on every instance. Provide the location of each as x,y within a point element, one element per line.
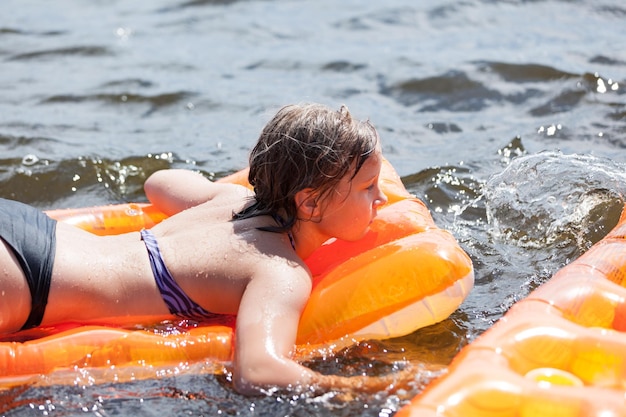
<point>15,300</point>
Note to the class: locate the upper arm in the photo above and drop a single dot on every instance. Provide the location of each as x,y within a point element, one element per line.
<point>267,325</point>
<point>174,190</point>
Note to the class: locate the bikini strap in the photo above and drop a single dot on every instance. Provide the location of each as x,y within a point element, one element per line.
<point>282,223</point>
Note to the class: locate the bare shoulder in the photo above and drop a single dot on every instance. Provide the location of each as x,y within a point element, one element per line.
<point>284,283</point>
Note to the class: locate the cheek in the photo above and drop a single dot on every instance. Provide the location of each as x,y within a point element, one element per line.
<point>363,211</point>
<point>367,201</point>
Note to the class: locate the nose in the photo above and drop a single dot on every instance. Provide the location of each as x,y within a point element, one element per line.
<point>381,199</point>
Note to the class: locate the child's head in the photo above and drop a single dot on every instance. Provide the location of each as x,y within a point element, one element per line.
<point>306,146</point>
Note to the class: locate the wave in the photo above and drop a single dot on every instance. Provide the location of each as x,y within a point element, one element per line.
<point>158,100</point>
<point>453,91</point>
<point>545,90</point>
<point>87,51</point>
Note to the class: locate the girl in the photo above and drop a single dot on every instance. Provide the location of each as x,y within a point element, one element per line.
<point>223,250</point>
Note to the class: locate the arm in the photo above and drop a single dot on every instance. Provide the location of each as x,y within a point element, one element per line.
<point>266,331</point>
<point>174,190</point>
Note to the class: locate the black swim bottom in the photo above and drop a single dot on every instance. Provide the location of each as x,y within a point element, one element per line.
<point>32,237</point>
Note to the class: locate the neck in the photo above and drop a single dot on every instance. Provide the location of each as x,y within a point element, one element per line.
<point>307,238</point>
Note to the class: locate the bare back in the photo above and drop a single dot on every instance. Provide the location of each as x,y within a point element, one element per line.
<point>210,256</point>
<point>231,252</point>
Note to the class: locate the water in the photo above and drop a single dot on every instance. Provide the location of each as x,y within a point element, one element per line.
<point>507,117</point>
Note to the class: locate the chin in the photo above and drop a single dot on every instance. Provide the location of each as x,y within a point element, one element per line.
<point>356,237</point>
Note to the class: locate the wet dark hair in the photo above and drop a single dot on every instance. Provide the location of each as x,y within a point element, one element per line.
<point>304,146</point>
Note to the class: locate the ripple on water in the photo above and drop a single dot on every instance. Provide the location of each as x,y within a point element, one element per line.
<point>453,91</point>
<point>55,53</point>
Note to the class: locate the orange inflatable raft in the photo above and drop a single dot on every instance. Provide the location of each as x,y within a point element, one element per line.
<point>404,274</point>
<point>561,351</point>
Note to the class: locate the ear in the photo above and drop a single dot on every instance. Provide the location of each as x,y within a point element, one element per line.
<point>307,204</point>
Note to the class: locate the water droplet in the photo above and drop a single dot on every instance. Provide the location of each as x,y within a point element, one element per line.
<point>30,159</point>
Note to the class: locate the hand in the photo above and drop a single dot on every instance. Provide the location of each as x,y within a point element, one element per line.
<point>401,379</point>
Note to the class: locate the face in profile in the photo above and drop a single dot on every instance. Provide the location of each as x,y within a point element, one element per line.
<point>350,208</point>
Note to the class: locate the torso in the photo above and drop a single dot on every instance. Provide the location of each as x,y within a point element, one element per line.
<point>211,257</point>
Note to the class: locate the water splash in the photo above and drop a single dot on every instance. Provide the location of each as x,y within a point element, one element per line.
<point>555,200</point>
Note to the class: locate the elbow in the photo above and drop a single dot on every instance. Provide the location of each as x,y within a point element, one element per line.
<point>245,387</point>
<point>165,190</point>
<point>255,379</point>
<point>155,183</point>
